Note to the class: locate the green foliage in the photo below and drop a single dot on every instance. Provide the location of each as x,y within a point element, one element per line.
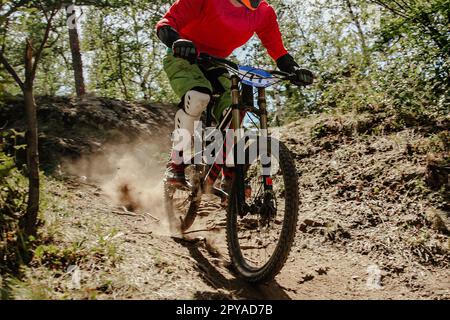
<point>13,192</point>
<point>367,54</point>
<point>126,61</point>
<point>127,55</point>
<point>56,257</point>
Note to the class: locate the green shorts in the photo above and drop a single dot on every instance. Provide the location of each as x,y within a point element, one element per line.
<point>184,76</point>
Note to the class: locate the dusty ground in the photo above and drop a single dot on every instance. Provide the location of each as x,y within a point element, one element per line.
<point>373,223</point>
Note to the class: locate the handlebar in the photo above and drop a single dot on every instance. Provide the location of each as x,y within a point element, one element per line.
<point>204,57</point>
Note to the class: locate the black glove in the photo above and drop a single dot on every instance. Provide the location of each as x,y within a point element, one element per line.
<point>168,35</point>
<point>185,49</point>
<point>303,77</point>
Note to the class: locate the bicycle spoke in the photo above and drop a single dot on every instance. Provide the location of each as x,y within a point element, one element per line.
<point>258,233</point>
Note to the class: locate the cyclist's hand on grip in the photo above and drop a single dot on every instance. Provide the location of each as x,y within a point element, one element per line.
<point>185,49</point>
<point>303,77</point>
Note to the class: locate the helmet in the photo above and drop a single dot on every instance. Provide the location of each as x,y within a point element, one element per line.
<point>251,4</point>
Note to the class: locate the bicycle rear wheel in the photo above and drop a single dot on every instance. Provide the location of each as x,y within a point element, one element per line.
<point>182,203</point>
<point>261,224</point>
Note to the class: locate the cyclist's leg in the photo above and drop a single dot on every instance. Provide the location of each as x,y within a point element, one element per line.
<point>190,84</point>
<point>222,105</point>
<point>224,102</point>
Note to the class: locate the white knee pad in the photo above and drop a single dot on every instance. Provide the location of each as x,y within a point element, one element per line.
<point>194,104</point>
<point>185,121</point>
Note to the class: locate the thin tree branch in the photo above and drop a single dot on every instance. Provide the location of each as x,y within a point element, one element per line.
<point>51,44</point>
<point>11,70</point>
<point>38,54</point>
<point>28,64</point>
<point>388,7</point>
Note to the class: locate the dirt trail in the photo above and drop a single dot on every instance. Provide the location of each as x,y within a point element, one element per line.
<point>373,218</point>
<point>155,265</point>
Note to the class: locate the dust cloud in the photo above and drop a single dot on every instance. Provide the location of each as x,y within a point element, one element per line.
<point>130,175</point>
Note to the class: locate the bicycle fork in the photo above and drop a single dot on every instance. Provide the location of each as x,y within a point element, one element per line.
<point>266,163</point>
<point>237,113</point>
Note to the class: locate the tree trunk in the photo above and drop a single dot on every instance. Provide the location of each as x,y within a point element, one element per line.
<point>29,221</point>
<point>77,62</point>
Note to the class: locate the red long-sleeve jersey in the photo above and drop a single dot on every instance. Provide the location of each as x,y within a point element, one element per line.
<point>217,27</point>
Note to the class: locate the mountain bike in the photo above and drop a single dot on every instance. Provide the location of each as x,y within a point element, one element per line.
<point>262,201</point>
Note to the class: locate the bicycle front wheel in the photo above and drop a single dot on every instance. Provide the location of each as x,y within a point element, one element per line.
<point>261,224</point>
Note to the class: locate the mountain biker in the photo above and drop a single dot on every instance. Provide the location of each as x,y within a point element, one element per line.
<point>215,27</point>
